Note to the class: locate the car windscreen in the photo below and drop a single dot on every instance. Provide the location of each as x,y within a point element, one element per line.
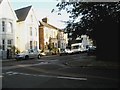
<point>75,47</point>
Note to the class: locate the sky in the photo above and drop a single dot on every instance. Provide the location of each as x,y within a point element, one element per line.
<point>43,9</point>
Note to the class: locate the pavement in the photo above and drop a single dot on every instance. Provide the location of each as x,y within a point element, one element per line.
<point>8,60</point>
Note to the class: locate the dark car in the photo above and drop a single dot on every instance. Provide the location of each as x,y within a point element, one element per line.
<point>91,50</point>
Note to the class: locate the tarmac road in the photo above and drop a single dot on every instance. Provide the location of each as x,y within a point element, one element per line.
<point>58,72</point>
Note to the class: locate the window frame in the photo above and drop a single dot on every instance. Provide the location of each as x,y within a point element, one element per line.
<point>31,33</point>
<point>9,42</point>
<point>9,27</point>
<point>3,44</point>
<point>3,26</point>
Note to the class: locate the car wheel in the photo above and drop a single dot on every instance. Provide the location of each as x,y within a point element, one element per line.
<point>26,57</point>
<point>39,56</point>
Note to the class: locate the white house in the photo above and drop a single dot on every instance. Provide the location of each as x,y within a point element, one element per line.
<point>62,39</point>
<point>7,28</point>
<point>26,36</point>
<point>86,41</point>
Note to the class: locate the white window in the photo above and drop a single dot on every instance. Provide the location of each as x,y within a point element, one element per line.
<point>9,27</point>
<point>31,45</point>
<point>9,43</point>
<point>54,34</point>
<point>35,44</point>
<point>36,31</point>
<point>3,44</point>
<point>30,31</point>
<point>31,18</point>
<point>3,26</point>
<point>56,45</point>
<point>46,35</point>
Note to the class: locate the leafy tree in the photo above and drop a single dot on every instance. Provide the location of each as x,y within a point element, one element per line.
<point>99,20</point>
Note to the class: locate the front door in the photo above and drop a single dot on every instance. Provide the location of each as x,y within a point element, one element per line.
<point>9,54</point>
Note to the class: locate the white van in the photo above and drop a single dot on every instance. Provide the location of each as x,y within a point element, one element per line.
<point>77,48</point>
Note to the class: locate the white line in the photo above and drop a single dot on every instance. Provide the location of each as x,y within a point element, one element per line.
<point>9,72</point>
<point>26,74</point>
<point>63,77</point>
<point>73,78</point>
<point>49,76</point>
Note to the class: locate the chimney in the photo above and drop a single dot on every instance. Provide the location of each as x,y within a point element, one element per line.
<point>45,19</point>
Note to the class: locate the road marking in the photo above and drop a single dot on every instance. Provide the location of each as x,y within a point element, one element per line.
<point>9,72</point>
<point>61,77</point>
<point>24,65</point>
<point>49,76</point>
<point>74,78</point>
<point>64,77</point>
<point>51,60</point>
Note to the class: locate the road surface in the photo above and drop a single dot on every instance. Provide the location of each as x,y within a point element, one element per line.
<point>57,72</point>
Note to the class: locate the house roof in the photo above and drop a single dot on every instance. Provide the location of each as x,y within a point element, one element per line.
<point>22,13</point>
<point>49,26</point>
<point>1,1</point>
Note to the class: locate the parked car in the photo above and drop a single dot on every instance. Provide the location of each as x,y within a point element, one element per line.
<point>91,50</point>
<point>66,52</point>
<point>28,54</point>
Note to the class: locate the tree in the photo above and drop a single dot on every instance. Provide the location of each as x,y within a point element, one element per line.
<point>99,20</point>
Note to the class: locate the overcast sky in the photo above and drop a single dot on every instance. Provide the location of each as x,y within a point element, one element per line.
<point>43,9</point>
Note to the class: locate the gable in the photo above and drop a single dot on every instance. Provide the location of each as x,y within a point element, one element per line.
<point>22,13</point>
<point>7,10</point>
<point>48,25</point>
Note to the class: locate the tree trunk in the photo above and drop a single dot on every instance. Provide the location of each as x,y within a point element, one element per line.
<point>107,40</point>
